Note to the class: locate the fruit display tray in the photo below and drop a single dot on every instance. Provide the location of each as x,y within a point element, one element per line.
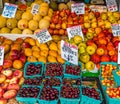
<point>40,101</point>
<point>28,100</point>
<point>97,85</point>
<point>88,100</point>
<point>70,75</point>
<point>35,63</point>
<point>71,101</point>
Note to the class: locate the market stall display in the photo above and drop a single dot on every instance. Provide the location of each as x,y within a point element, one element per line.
<point>32,66</point>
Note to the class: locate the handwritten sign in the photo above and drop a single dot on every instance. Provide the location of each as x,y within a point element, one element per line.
<point>116,29</point>
<point>43,36</point>
<point>69,52</point>
<point>75,30</point>
<point>9,10</point>
<point>119,53</point>
<point>78,8</point>
<point>35,9</point>
<point>111,5</point>
<point>1,55</point>
<point>98,8</point>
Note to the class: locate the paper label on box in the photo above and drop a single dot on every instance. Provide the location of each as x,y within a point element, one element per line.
<point>78,8</point>
<point>69,52</point>
<point>98,8</point>
<point>43,36</point>
<point>1,55</point>
<point>116,29</point>
<point>35,9</point>
<point>75,30</point>
<point>112,5</point>
<point>118,53</point>
<point>9,10</point>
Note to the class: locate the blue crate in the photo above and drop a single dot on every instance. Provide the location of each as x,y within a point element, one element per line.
<point>52,63</point>
<point>70,100</point>
<point>53,78</point>
<point>116,77</point>
<point>40,101</point>
<point>27,100</point>
<point>112,100</point>
<point>88,100</point>
<point>36,63</point>
<point>72,79</point>
<point>71,75</point>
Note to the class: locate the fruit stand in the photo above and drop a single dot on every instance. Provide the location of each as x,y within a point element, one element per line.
<point>59,52</point>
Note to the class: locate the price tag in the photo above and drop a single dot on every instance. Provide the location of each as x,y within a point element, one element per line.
<point>98,8</point>
<point>1,55</point>
<point>69,52</point>
<point>35,9</point>
<point>119,53</point>
<point>78,8</point>
<point>9,10</point>
<point>112,5</point>
<point>43,36</point>
<point>116,29</point>
<point>75,30</point>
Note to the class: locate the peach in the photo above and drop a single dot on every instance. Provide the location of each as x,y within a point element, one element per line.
<point>9,94</point>
<point>13,87</point>
<point>58,26</point>
<point>61,32</point>
<point>18,64</point>
<point>56,32</point>
<point>2,78</point>
<point>7,72</point>
<point>16,46</point>
<point>18,41</point>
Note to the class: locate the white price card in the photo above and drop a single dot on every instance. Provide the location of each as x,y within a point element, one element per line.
<point>69,52</point>
<point>118,53</point>
<point>43,36</point>
<point>78,8</point>
<point>35,9</point>
<point>116,29</point>
<point>75,30</point>
<point>1,55</point>
<point>98,8</point>
<point>112,5</point>
<point>9,10</point>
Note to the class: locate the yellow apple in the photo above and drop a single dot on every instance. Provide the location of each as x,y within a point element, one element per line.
<point>90,49</point>
<point>109,14</point>
<point>89,66</point>
<point>91,15</point>
<point>91,30</point>
<point>64,25</point>
<point>94,24</point>
<point>104,16</point>
<point>107,24</point>
<point>116,15</point>
<point>87,25</point>
<point>86,18</point>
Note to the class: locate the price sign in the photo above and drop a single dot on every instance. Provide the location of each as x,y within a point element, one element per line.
<point>75,30</point>
<point>9,10</point>
<point>119,53</point>
<point>78,8</point>
<point>116,29</point>
<point>35,9</point>
<point>69,52</point>
<point>43,36</point>
<point>98,8</point>
<point>112,5</point>
<point>1,55</point>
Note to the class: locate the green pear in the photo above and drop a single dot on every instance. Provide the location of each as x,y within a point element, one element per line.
<point>81,50</point>
<point>84,57</point>
<point>89,66</point>
<point>89,35</point>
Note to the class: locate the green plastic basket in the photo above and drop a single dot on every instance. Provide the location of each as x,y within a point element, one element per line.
<point>27,100</point>
<point>88,100</point>
<point>71,75</point>
<point>35,63</point>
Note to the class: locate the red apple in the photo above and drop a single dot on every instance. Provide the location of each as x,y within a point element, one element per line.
<point>95,58</point>
<point>1,92</point>
<point>26,45</point>
<point>68,12</point>
<point>22,57</point>
<point>4,85</point>
<point>13,87</point>
<point>114,58</point>
<point>52,26</point>
<point>97,14</point>
<point>116,43</point>
<point>62,14</point>
<point>7,63</point>
<point>105,58</point>
<point>14,54</point>
<point>84,30</point>
<point>73,14</point>
<point>1,67</point>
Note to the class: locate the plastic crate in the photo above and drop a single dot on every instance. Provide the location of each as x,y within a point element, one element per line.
<point>70,100</point>
<point>52,63</point>
<point>32,77</point>
<point>71,75</point>
<point>40,101</point>
<point>116,77</point>
<point>72,79</point>
<point>88,100</point>
<point>27,100</point>
<point>53,78</point>
<point>35,63</point>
